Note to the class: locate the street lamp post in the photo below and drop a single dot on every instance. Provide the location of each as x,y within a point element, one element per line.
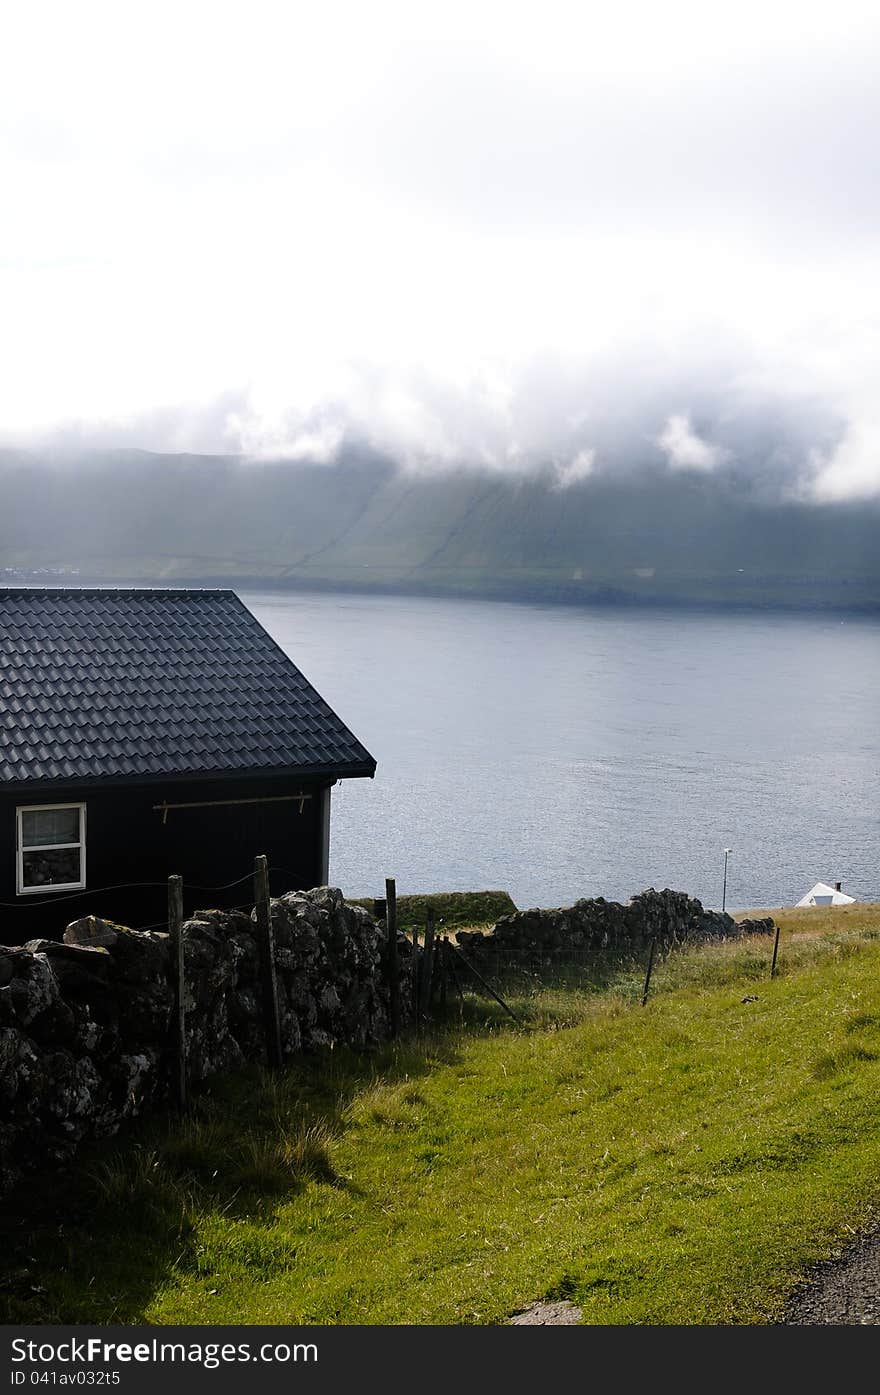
<point>727,852</point>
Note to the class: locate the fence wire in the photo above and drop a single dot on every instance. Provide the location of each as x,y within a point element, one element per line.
<point>88,892</point>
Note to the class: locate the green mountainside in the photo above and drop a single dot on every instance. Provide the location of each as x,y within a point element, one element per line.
<point>362,523</point>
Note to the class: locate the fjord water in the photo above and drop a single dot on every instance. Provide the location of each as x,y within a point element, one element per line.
<point>557,752</point>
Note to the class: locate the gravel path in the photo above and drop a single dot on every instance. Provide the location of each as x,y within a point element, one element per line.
<point>844,1290</point>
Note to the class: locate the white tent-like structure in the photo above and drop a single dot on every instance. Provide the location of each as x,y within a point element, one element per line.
<point>824,895</point>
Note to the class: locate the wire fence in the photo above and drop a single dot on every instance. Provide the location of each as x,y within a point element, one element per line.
<point>55,900</point>
<point>420,968</point>
<point>438,964</point>
<point>42,901</point>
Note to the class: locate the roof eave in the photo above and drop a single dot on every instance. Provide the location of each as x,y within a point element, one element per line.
<point>351,770</point>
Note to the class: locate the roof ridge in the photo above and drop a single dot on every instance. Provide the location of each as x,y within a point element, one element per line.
<point>118,591</point>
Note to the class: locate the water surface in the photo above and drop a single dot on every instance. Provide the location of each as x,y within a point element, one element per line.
<point>559,752</point>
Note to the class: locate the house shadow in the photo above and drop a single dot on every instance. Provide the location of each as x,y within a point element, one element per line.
<point>95,1243</point>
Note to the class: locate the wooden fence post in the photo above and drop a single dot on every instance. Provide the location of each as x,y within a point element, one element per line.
<point>775,954</point>
<point>393,966</point>
<point>266,934</point>
<point>444,976</point>
<point>175,931</point>
<point>416,974</point>
<point>650,967</point>
<point>427,965</point>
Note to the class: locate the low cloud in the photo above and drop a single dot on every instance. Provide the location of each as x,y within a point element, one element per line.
<point>685,449</point>
<point>852,471</point>
<point>578,468</point>
<point>319,443</point>
<point>763,429</point>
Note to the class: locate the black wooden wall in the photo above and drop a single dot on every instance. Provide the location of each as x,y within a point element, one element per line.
<point>127,841</point>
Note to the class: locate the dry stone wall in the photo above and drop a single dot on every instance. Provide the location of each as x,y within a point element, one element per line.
<point>534,937</point>
<point>86,1030</point>
<point>87,1026</point>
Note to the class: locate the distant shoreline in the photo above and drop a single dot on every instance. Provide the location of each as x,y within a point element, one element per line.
<point>525,593</point>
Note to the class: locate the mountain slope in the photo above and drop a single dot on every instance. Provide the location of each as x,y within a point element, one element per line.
<point>643,534</point>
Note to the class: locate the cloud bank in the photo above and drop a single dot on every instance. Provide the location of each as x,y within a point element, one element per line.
<point>582,241</point>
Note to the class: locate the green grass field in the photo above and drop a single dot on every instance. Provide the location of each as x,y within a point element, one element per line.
<point>679,1164</point>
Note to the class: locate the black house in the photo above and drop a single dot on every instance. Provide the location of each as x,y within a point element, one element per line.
<point>145,733</point>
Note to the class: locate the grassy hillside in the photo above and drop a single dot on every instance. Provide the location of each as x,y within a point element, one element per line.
<point>678,1164</point>
<point>809,922</point>
<point>632,536</point>
<point>453,910</point>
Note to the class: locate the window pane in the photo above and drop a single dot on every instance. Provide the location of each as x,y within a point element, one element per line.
<point>50,868</point>
<point>42,826</point>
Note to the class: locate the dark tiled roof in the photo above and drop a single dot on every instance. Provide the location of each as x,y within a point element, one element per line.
<point>103,684</point>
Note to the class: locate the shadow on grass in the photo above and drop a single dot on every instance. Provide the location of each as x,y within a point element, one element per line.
<point>93,1244</point>
<point>552,993</point>
<point>97,1242</point>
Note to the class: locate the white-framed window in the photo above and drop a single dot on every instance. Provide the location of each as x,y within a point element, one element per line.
<point>51,846</point>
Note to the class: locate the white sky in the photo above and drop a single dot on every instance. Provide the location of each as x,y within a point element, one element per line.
<point>446,228</point>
